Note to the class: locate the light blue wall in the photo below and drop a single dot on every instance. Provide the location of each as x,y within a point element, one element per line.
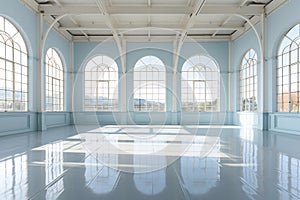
<point>240,46</point>
<point>287,17</point>
<point>62,46</point>
<point>27,22</point>
<point>83,52</point>
<point>278,23</point>
<point>136,51</point>
<point>218,51</point>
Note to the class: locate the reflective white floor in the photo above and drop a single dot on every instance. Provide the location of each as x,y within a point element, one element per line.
<point>233,164</point>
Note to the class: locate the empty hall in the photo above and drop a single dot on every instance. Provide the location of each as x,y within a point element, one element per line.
<point>149,99</point>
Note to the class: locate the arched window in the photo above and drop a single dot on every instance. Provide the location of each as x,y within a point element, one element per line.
<point>54,81</point>
<point>288,72</point>
<point>149,85</point>
<point>200,80</point>
<point>248,82</point>
<point>13,69</point>
<point>101,84</point>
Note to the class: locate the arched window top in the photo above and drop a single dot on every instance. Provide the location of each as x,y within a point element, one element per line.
<point>250,58</point>
<point>200,63</point>
<point>149,85</point>
<point>200,80</point>
<point>54,81</point>
<point>151,63</point>
<point>13,69</point>
<point>248,82</point>
<point>288,71</point>
<point>101,84</point>
<point>11,36</point>
<point>54,59</point>
<point>102,63</point>
<point>290,41</point>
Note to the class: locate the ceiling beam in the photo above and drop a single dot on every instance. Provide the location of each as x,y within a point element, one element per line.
<point>229,18</point>
<point>102,8</point>
<point>153,10</point>
<point>71,18</point>
<point>206,27</point>
<point>33,5</point>
<point>273,5</point>
<point>153,38</point>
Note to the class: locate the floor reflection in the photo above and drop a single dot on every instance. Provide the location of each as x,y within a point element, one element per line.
<point>101,179</point>
<point>239,164</point>
<point>250,177</point>
<point>14,177</point>
<point>147,178</point>
<point>200,174</point>
<point>288,177</point>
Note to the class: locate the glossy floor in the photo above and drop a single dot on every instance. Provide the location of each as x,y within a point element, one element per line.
<point>150,162</point>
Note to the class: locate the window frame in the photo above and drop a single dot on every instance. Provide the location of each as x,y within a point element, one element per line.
<point>13,76</point>
<point>285,74</point>
<point>248,66</point>
<point>101,67</point>
<point>57,75</point>
<point>158,84</point>
<point>200,69</point>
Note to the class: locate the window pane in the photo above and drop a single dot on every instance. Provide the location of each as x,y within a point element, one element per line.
<point>202,88</point>
<point>12,49</point>
<point>248,89</point>
<point>54,79</point>
<point>101,78</point>
<point>288,97</point>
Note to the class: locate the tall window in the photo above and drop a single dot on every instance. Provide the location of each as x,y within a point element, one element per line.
<point>149,85</point>
<point>200,79</point>
<point>288,72</point>
<point>248,82</point>
<point>101,84</point>
<point>13,69</point>
<point>54,81</point>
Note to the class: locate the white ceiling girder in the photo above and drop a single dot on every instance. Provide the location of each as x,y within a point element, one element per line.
<point>162,10</point>
<point>31,4</point>
<point>153,39</point>
<point>102,8</point>
<point>125,28</point>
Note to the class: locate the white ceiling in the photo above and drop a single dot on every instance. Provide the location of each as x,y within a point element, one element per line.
<point>153,19</point>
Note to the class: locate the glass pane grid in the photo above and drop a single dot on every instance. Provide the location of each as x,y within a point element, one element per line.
<point>101,85</point>
<point>248,80</point>
<point>200,86</point>
<point>288,73</point>
<point>54,82</point>
<point>13,70</point>
<point>149,85</point>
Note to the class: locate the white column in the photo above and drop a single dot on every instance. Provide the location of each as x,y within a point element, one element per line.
<point>174,79</point>
<point>123,96</point>
<point>72,80</point>
<point>40,78</point>
<point>264,98</point>
<point>230,79</point>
